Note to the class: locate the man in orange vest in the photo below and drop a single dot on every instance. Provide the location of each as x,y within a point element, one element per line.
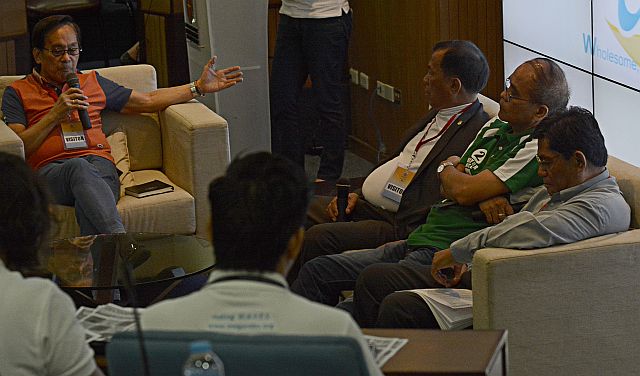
<point>74,156</point>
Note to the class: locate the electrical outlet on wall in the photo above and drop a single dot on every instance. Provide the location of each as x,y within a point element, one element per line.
<point>385,91</point>
<point>354,76</point>
<point>364,81</point>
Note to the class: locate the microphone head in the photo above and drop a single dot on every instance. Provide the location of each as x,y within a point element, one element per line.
<point>72,79</point>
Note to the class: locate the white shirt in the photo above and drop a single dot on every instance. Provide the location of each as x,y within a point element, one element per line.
<point>39,334</point>
<point>252,307</point>
<point>374,184</point>
<point>314,8</point>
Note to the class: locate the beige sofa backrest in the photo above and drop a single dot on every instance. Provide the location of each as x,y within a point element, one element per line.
<point>143,131</point>
<point>628,177</point>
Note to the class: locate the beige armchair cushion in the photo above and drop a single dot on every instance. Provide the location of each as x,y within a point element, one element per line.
<point>570,309</point>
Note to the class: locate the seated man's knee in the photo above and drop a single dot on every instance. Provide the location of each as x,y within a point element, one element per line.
<point>372,278</point>
<point>79,168</point>
<point>317,242</point>
<point>391,308</point>
<point>403,309</point>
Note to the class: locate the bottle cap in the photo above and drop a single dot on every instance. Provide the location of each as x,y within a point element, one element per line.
<point>200,347</point>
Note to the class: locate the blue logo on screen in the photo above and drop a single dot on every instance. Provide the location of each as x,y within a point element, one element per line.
<point>627,19</point>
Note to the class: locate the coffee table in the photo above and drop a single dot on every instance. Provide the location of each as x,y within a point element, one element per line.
<point>438,352</point>
<point>93,267</point>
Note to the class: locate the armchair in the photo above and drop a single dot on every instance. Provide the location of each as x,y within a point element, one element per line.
<point>570,309</point>
<point>263,355</point>
<point>185,145</point>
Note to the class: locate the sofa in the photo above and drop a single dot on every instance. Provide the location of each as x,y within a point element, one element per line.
<point>185,145</point>
<point>570,309</point>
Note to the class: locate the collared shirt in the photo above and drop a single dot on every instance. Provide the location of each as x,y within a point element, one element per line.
<point>39,334</point>
<point>249,306</point>
<point>595,207</point>
<point>374,184</point>
<point>510,157</point>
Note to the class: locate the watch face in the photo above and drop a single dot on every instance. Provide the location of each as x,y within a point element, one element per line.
<point>440,168</point>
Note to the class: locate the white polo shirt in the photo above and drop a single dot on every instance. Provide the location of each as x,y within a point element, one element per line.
<point>314,8</point>
<point>39,334</point>
<point>252,307</point>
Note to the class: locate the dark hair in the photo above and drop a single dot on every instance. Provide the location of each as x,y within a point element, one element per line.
<point>255,209</point>
<point>572,130</point>
<point>24,213</point>
<point>48,25</point>
<point>551,88</point>
<point>464,60</point>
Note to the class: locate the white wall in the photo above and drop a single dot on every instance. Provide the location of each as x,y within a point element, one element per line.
<point>601,59</point>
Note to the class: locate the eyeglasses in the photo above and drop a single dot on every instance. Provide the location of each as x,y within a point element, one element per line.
<point>57,52</point>
<point>545,164</point>
<point>509,96</point>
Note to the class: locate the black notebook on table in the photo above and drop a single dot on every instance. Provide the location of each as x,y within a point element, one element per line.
<point>154,187</point>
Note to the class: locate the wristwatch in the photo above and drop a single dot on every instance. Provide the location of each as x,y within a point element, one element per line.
<point>194,90</point>
<point>443,165</point>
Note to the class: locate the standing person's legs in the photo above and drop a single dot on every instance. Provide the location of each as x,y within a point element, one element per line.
<point>288,74</point>
<point>323,278</point>
<point>91,185</point>
<point>326,47</point>
<point>379,280</point>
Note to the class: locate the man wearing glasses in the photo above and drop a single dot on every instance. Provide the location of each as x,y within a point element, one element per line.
<point>42,109</point>
<point>498,168</point>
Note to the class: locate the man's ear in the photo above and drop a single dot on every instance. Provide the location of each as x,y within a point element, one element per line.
<point>542,112</point>
<point>580,159</point>
<point>295,244</point>
<point>455,86</point>
<point>36,55</point>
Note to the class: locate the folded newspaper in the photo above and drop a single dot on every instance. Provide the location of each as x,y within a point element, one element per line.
<point>102,322</point>
<point>452,308</point>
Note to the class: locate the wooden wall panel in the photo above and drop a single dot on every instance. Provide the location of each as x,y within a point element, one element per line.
<point>392,42</point>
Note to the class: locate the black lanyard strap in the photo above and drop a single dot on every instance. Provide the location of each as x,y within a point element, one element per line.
<point>254,278</point>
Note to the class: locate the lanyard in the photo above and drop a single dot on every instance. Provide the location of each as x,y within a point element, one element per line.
<point>248,278</point>
<point>444,129</point>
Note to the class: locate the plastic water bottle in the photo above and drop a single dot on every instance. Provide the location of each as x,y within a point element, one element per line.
<point>202,361</point>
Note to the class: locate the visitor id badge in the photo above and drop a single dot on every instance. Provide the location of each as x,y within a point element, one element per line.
<point>397,183</point>
<point>73,135</point>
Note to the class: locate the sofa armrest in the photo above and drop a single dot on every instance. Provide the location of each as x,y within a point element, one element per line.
<point>569,309</point>
<point>195,143</point>
<point>9,141</point>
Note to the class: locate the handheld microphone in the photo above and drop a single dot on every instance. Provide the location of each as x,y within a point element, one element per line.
<point>72,81</point>
<point>342,187</point>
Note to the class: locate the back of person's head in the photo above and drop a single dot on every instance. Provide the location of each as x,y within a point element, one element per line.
<point>49,24</point>
<point>256,208</point>
<point>24,213</point>
<point>551,87</point>
<point>574,129</point>
<point>464,60</point>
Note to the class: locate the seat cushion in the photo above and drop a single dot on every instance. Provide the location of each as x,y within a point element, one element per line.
<point>152,213</point>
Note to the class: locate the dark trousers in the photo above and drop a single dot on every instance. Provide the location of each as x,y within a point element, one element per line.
<point>91,185</point>
<point>378,295</point>
<point>323,278</point>
<point>365,230</point>
<point>318,48</point>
